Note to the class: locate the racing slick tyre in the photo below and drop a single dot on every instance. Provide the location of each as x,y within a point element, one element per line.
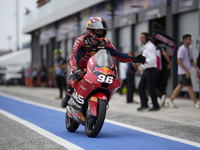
<point>93,127</point>
<point>71,125</point>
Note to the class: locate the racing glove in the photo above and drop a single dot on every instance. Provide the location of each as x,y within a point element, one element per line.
<point>79,73</point>
<point>139,59</point>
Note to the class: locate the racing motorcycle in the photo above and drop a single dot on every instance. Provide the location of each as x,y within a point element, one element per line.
<point>89,101</point>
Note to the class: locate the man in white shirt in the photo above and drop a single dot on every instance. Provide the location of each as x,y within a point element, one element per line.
<point>148,78</point>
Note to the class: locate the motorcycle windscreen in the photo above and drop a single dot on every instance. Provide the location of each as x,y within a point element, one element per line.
<point>103,58</point>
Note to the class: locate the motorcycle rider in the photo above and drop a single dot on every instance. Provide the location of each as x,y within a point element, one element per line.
<point>86,46</point>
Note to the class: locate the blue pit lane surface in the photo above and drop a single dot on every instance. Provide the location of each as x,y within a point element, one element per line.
<point>111,137</point>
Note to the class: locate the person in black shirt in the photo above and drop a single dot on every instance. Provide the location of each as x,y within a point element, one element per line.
<point>60,66</point>
<point>43,76</point>
<point>130,76</point>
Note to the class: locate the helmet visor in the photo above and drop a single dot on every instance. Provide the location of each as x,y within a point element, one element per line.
<point>100,25</point>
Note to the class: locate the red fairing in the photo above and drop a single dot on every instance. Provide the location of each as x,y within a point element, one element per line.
<point>93,103</point>
<point>100,95</point>
<point>90,81</point>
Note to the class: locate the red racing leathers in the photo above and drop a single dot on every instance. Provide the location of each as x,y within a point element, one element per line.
<point>83,50</point>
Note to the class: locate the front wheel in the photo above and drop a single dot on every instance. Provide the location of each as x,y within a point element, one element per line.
<point>93,127</point>
<point>71,125</point>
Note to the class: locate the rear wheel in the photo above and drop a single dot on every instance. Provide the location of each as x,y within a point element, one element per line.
<point>93,125</point>
<point>71,125</point>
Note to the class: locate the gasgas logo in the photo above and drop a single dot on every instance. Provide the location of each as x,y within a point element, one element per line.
<point>105,71</point>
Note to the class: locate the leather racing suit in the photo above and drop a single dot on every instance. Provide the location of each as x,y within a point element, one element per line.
<point>83,50</point>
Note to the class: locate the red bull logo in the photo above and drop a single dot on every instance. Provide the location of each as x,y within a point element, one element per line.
<point>105,71</point>
<point>80,115</point>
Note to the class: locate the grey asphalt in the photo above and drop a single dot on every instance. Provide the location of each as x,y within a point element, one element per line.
<point>183,122</point>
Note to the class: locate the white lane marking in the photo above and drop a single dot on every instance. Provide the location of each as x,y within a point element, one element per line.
<point>31,102</point>
<point>43,132</point>
<point>153,133</point>
<point>39,130</point>
<point>112,122</point>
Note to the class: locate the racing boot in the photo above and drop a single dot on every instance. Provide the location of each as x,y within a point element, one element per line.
<point>69,91</point>
<point>64,101</point>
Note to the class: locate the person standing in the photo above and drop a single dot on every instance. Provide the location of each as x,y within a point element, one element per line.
<point>44,76</point>
<point>148,78</point>
<point>185,60</point>
<point>34,73</point>
<point>130,75</point>
<point>60,66</point>
<point>163,65</point>
<point>27,76</point>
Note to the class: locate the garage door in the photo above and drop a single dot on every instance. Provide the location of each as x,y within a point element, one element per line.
<point>125,39</point>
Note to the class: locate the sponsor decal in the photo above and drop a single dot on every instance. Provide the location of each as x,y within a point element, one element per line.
<point>96,19</point>
<point>93,99</point>
<point>83,88</point>
<point>80,115</point>
<point>105,71</point>
<point>106,76</point>
<point>88,81</point>
<point>101,47</point>
<point>88,23</point>
<point>78,100</point>
<point>92,53</point>
<point>91,62</point>
<point>164,40</point>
